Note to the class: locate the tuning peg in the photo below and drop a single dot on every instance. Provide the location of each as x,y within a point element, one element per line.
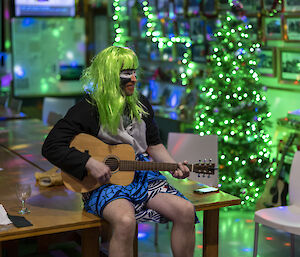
<point>210,161</point>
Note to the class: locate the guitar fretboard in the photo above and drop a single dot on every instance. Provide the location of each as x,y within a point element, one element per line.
<point>155,166</point>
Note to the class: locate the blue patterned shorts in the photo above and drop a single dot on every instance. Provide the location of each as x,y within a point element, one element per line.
<point>100,198</point>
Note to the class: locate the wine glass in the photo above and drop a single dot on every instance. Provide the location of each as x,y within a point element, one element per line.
<point>23,192</point>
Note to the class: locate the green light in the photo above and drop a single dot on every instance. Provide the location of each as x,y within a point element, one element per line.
<point>55,32</point>
<point>7,44</point>
<point>191,65</point>
<point>183,75</point>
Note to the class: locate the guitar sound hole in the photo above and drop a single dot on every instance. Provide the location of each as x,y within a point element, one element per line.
<point>112,163</point>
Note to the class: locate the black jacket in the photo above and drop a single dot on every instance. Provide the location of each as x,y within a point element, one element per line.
<point>83,118</point>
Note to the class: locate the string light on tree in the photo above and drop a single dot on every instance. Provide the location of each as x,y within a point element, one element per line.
<point>239,110</point>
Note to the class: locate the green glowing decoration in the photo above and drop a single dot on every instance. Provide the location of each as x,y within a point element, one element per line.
<point>232,105</point>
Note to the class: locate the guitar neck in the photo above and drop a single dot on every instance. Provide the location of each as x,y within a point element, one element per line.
<point>155,166</point>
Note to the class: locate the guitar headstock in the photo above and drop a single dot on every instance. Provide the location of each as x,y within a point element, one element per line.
<point>204,168</point>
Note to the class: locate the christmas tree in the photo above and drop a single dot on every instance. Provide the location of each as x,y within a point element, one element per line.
<point>232,105</point>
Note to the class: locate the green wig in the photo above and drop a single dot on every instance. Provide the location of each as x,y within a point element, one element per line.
<point>104,77</point>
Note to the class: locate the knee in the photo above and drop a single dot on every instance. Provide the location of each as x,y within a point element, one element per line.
<point>186,214</point>
<point>126,226</point>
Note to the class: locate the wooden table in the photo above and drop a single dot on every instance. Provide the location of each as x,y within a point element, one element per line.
<point>7,113</point>
<point>25,138</point>
<point>52,211</point>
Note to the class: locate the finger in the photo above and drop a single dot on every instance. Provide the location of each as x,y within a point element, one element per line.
<point>183,168</point>
<point>175,174</point>
<point>180,173</point>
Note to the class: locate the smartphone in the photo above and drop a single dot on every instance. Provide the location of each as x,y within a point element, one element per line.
<point>206,190</point>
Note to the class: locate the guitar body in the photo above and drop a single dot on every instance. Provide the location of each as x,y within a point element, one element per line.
<point>275,190</point>
<point>99,151</point>
<point>267,199</point>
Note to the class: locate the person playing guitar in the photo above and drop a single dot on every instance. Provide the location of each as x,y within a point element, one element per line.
<point>114,112</point>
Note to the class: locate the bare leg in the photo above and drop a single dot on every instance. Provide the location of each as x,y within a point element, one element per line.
<point>120,214</point>
<point>182,213</point>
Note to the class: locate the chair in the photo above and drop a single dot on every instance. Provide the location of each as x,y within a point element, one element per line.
<point>55,108</point>
<point>15,105</point>
<point>286,218</point>
<point>3,100</point>
<point>193,148</point>
<point>53,117</point>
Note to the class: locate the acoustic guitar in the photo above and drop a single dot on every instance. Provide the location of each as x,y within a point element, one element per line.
<point>121,161</point>
<point>274,188</point>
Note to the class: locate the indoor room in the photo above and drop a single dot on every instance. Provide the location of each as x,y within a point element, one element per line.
<point>149,128</point>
